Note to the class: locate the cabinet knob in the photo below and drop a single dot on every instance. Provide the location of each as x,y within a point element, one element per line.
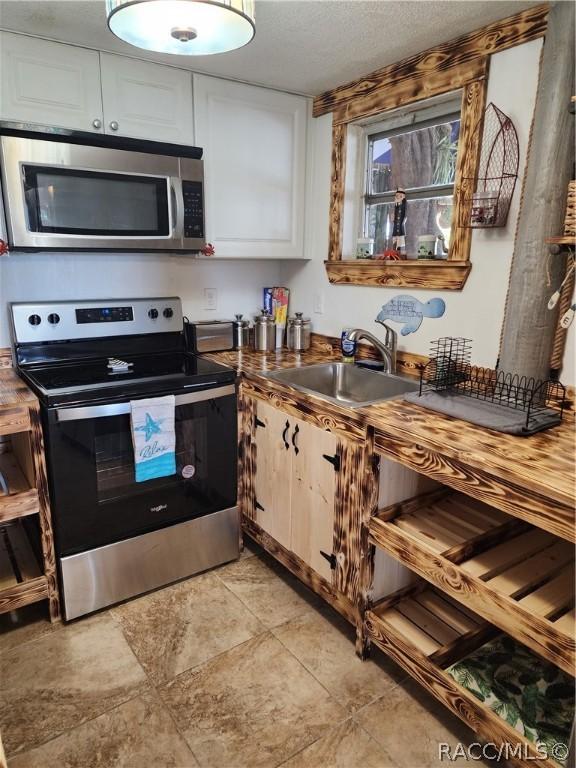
<point>96,123</point>
<point>113,125</point>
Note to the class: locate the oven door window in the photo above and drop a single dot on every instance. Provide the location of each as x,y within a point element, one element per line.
<point>76,202</point>
<point>96,498</point>
<point>114,458</point>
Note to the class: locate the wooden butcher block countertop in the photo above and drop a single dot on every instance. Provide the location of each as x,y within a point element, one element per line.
<point>13,391</point>
<point>532,478</point>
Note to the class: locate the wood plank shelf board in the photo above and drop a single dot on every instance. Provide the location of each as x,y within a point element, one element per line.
<point>517,577</point>
<point>21,578</point>
<point>438,626</point>
<point>424,631</point>
<point>21,500</point>
<point>531,478</point>
<point>441,274</point>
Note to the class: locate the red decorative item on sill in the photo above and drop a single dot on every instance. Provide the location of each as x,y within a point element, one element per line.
<point>3,247</point>
<point>389,255</point>
<point>208,250</point>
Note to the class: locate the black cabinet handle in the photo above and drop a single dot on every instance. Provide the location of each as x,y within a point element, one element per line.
<point>286,428</point>
<point>330,557</point>
<point>334,460</point>
<point>294,435</point>
<point>258,422</point>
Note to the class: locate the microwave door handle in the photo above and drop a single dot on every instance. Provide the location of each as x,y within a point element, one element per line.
<point>121,409</point>
<point>177,207</point>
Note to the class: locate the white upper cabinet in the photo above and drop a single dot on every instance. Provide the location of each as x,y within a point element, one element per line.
<point>254,142</point>
<point>49,83</point>
<point>69,87</point>
<point>145,100</point>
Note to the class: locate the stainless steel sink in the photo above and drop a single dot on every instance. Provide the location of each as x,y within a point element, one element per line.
<point>344,383</point>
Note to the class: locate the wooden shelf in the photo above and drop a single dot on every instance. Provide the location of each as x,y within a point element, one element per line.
<point>517,577</point>
<point>21,578</point>
<point>440,274</point>
<point>21,500</point>
<point>436,625</point>
<point>424,631</point>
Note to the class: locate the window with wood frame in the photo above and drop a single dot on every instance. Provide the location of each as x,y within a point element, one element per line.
<point>416,153</point>
<point>460,64</point>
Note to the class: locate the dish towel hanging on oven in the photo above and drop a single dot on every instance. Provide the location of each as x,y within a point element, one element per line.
<point>153,437</point>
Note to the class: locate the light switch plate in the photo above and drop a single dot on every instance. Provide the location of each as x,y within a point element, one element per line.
<point>319,303</point>
<point>210,298</point>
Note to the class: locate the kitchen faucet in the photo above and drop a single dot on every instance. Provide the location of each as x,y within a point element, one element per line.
<point>386,349</point>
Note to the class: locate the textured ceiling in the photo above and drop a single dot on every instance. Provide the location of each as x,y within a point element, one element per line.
<point>305,46</point>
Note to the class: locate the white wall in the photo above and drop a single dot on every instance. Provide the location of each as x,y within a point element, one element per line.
<point>46,276</point>
<point>477,311</point>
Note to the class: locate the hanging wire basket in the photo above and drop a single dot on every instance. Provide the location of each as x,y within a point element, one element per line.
<point>487,196</point>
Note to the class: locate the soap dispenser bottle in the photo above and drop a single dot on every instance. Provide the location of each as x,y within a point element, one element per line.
<point>348,346</point>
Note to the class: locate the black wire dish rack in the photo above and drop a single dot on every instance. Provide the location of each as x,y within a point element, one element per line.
<point>450,376</point>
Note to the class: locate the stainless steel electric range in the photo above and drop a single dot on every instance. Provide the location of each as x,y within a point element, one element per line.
<point>114,537</point>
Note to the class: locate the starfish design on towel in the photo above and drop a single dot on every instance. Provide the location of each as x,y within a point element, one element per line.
<point>151,427</point>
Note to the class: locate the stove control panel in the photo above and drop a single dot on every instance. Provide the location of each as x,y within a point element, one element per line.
<point>104,315</point>
<point>73,320</point>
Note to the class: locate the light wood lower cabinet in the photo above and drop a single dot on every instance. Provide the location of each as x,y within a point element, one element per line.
<point>273,473</point>
<point>313,495</point>
<point>295,485</point>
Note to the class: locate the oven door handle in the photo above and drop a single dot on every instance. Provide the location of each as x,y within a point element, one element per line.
<point>120,409</point>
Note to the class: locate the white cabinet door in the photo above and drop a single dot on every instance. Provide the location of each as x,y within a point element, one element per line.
<point>145,100</point>
<point>254,142</point>
<point>49,83</point>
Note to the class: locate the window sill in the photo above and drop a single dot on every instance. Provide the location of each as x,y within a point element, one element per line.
<point>435,275</point>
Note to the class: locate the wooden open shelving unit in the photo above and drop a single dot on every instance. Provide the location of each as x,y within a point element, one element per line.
<point>515,576</point>
<point>425,631</point>
<point>27,573</point>
<point>488,571</point>
<point>22,499</point>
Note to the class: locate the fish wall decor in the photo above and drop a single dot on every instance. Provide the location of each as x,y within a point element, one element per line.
<point>410,311</point>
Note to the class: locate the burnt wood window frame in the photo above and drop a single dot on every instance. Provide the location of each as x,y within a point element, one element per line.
<point>460,64</point>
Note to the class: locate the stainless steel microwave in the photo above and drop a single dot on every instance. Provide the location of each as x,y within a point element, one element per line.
<point>65,190</point>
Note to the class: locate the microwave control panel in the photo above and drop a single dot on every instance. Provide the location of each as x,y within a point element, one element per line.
<point>193,209</point>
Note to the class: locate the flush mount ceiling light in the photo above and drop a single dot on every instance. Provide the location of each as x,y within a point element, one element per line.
<point>184,27</point>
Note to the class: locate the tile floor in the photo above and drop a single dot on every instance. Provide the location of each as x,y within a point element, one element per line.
<point>241,667</point>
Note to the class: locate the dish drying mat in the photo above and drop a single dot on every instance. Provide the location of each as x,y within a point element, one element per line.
<point>484,414</point>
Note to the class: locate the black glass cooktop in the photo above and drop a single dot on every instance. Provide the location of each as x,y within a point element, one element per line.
<point>150,374</point>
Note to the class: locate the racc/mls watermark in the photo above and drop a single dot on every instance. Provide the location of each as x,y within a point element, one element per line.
<point>502,752</point>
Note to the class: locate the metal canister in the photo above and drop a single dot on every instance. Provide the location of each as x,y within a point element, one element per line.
<point>264,332</point>
<point>299,332</point>
<point>241,332</point>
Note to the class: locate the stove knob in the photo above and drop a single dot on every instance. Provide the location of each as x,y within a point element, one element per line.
<point>34,319</point>
<point>53,319</point>
<point>168,313</point>
<point>152,314</point>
